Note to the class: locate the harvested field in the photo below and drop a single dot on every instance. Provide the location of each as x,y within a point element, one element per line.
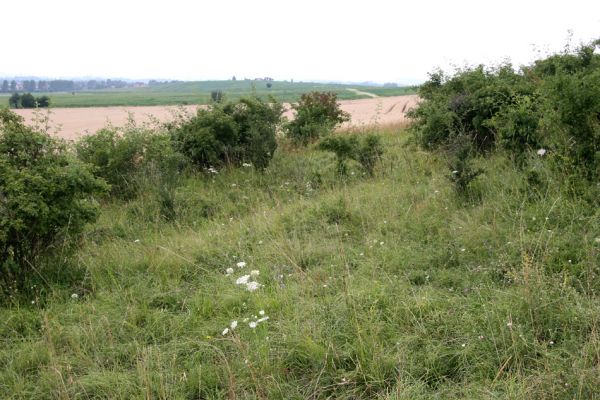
<point>71,123</point>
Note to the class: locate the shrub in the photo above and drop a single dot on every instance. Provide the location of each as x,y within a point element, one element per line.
<point>369,152</point>
<point>317,114</point>
<point>465,105</point>
<point>552,104</point>
<point>231,134</point>
<point>129,158</point>
<point>46,197</point>
<point>366,151</point>
<point>343,147</point>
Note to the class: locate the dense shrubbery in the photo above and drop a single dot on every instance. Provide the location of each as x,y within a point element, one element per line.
<point>46,197</point>
<point>126,158</point>
<point>553,104</point>
<point>231,133</point>
<point>317,114</point>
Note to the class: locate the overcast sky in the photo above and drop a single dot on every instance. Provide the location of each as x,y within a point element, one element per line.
<point>377,40</point>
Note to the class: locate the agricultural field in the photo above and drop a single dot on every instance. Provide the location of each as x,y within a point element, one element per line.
<point>187,93</point>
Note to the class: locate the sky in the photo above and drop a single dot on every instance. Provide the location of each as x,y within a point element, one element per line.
<point>329,40</point>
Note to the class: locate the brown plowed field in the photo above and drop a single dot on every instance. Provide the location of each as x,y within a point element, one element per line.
<point>75,122</point>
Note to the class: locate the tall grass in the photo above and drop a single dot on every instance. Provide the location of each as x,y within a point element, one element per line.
<point>390,287</point>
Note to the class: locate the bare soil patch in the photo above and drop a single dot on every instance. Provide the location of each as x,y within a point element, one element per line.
<point>72,123</point>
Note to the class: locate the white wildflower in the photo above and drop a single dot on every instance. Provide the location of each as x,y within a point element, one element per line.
<point>455,172</point>
<point>246,165</point>
<point>233,324</point>
<point>75,296</point>
<point>225,331</point>
<point>229,271</point>
<point>541,152</point>
<point>136,241</point>
<point>254,272</point>
<point>509,324</point>
<point>252,286</point>
<point>242,280</point>
<point>263,319</point>
<point>252,324</point>
<point>261,312</point>
<point>241,264</point>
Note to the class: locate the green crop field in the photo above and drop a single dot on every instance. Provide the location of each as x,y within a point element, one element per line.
<point>181,93</point>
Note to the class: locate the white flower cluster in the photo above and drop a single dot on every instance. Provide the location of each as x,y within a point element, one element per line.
<point>252,322</point>
<point>248,280</point>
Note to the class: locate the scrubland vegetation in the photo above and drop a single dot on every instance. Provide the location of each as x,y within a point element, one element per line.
<point>235,255</point>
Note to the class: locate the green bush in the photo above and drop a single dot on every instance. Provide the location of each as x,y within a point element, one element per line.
<point>129,158</point>
<point>231,133</point>
<point>465,105</point>
<point>367,151</point>
<point>552,104</point>
<point>46,197</point>
<point>317,114</point>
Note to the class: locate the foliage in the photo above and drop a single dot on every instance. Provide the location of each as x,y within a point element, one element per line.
<point>216,96</point>
<point>366,150</point>
<point>344,148</point>
<point>46,197</point>
<point>127,158</point>
<point>27,100</point>
<point>369,152</point>
<point>231,133</point>
<point>552,104</point>
<point>317,114</point>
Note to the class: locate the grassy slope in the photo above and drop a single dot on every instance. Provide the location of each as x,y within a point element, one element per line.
<point>389,288</point>
<point>199,93</point>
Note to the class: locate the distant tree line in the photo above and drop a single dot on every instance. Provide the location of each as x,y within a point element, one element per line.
<point>27,100</point>
<point>64,85</point>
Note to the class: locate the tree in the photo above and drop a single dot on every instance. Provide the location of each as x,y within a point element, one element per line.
<point>13,86</point>
<point>43,101</point>
<point>14,101</point>
<point>5,86</point>
<point>27,100</point>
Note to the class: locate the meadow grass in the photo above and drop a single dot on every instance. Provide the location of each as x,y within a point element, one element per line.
<point>182,93</point>
<point>391,287</point>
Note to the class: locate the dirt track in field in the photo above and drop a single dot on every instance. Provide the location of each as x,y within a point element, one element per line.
<point>72,123</point>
